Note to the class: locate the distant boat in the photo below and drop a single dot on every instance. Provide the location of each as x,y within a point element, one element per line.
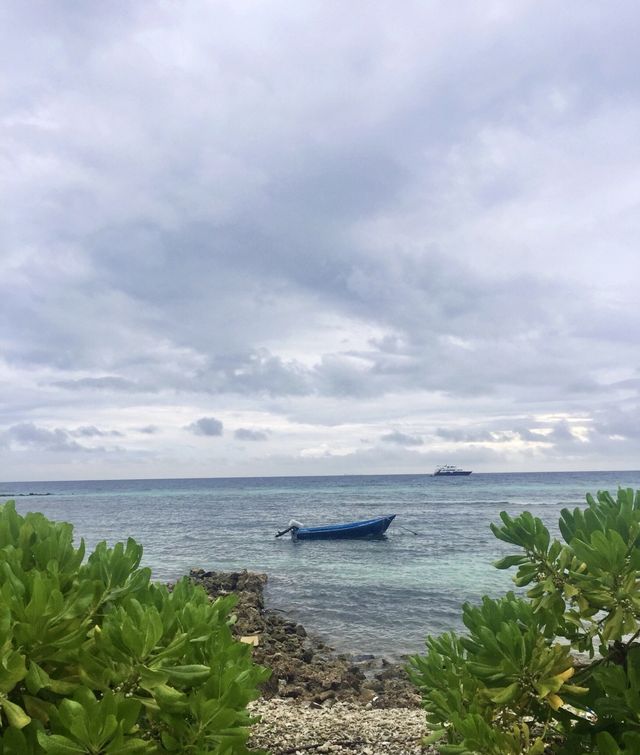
<point>351,530</point>
<point>448,470</point>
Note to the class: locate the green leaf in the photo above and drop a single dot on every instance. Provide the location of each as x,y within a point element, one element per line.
<point>187,675</point>
<point>14,713</point>
<point>509,561</point>
<point>36,678</point>
<point>150,678</point>
<point>506,694</point>
<point>169,696</point>
<point>14,742</point>
<point>130,747</point>
<point>607,744</point>
<point>434,737</point>
<point>12,671</point>
<point>56,744</point>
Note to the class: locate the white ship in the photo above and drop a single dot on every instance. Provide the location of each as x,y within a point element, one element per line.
<point>448,470</point>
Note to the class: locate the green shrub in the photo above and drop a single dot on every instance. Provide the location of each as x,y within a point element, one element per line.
<point>557,670</point>
<point>95,658</point>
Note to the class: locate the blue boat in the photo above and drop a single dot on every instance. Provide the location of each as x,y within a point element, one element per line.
<point>366,528</point>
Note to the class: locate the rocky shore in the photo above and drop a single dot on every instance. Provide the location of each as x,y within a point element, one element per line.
<point>316,699</point>
<point>304,667</point>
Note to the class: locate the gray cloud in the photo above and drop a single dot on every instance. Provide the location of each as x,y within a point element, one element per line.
<point>429,216</point>
<point>257,373</point>
<point>464,436</point>
<point>106,383</point>
<point>529,434</point>
<point>561,434</point>
<point>30,435</point>
<point>245,433</point>
<point>90,431</point>
<point>401,439</point>
<point>206,426</point>
<point>497,435</point>
<point>624,423</point>
<point>147,429</point>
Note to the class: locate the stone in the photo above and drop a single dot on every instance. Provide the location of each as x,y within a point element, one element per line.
<point>367,695</point>
<point>293,691</point>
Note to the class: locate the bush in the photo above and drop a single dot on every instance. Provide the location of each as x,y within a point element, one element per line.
<point>515,685</point>
<point>95,658</point>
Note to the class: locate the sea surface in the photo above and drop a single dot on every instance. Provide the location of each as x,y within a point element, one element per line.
<point>372,596</point>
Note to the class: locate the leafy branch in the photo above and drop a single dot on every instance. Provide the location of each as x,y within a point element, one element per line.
<point>95,658</point>
<point>514,684</point>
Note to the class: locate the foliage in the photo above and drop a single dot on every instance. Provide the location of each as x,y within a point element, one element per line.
<point>557,670</point>
<point>95,658</point>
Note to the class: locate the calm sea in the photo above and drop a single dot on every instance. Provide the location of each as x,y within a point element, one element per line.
<point>378,596</point>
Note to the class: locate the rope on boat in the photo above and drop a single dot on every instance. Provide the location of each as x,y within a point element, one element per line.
<point>407,529</point>
<point>294,524</point>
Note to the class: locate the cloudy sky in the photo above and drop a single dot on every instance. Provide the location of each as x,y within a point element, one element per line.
<point>261,238</point>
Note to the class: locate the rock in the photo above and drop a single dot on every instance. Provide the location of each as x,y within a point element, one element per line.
<point>293,691</point>
<point>363,657</point>
<point>303,666</point>
<point>367,695</point>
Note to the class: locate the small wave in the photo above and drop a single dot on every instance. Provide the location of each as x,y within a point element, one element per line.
<point>21,495</point>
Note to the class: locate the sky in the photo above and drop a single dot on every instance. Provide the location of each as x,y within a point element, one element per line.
<point>273,238</point>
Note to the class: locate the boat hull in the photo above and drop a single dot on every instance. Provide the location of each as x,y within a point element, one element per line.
<point>353,530</point>
<point>461,473</point>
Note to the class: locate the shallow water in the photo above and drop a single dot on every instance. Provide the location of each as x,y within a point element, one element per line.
<point>374,596</point>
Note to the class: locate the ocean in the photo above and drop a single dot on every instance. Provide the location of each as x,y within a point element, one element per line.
<point>372,596</point>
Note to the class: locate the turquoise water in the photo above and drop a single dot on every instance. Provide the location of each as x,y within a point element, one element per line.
<point>371,596</point>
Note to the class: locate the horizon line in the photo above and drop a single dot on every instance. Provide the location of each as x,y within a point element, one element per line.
<point>303,476</point>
